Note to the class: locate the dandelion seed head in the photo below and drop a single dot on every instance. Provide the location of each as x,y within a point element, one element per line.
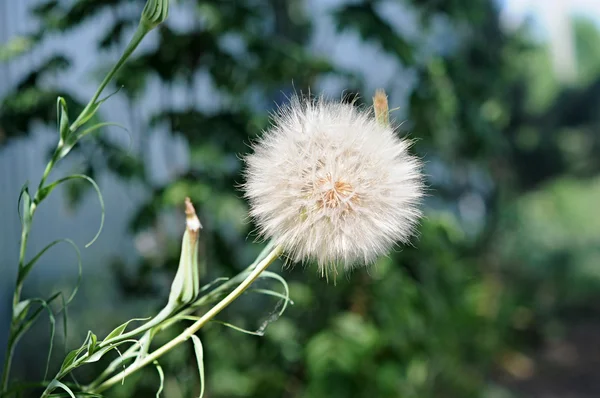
<point>331,184</point>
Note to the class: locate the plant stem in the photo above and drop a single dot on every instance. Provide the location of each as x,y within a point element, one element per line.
<point>49,167</point>
<point>7,364</point>
<point>16,299</point>
<point>187,333</point>
<point>139,34</point>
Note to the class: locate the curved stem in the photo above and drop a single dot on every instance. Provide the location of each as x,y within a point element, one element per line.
<point>187,333</point>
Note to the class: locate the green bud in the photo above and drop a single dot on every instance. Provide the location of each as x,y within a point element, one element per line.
<point>186,285</point>
<point>155,12</point>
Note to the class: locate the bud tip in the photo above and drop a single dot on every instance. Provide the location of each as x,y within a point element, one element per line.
<point>191,219</point>
<point>380,104</point>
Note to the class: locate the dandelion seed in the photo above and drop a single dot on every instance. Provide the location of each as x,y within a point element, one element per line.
<point>332,184</point>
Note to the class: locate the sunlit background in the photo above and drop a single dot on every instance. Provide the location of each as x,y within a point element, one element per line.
<point>497,297</point>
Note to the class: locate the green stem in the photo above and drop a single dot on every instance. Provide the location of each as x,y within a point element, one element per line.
<point>7,365</point>
<point>139,34</point>
<point>16,299</point>
<point>49,167</point>
<point>187,333</point>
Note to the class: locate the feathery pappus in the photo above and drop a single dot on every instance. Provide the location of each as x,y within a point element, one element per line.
<point>331,183</point>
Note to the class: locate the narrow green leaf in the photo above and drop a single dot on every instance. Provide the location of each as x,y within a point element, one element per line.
<point>121,328</point>
<point>49,188</point>
<point>27,323</point>
<point>200,360</point>
<point>95,357</point>
<point>161,374</point>
<point>17,389</point>
<point>91,343</point>
<point>273,275</point>
<point>239,329</point>
<point>54,384</point>
<point>271,293</point>
<point>27,268</point>
<point>20,310</point>
<point>99,126</point>
<point>211,284</point>
<point>186,317</point>
<point>44,305</point>
<point>89,114</point>
<point>117,331</point>
<point>91,111</point>
<point>70,358</point>
<point>100,353</point>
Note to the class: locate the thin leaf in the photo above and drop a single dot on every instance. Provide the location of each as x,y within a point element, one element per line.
<point>65,320</point>
<point>17,388</point>
<point>121,328</point>
<point>272,293</point>
<point>100,125</point>
<point>100,353</point>
<point>91,343</point>
<point>25,325</point>
<point>259,332</point>
<point>91,111</point>
<point>211,284</point>
<point>187,317</point>
<point>200,360</point>
<point>273,275</point>
<point>49,188</point>
<point>21,310</point>
<point>161,374</point>
<point>54,384</point>
<point>28,267</point>
<point>70,358</point>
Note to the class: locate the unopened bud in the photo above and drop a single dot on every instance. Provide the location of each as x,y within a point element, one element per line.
<point>380,105</point>
<point>155,12</point>
<point>186,284</point>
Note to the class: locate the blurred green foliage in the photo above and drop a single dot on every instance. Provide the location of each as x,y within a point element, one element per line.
<point>508,248</point>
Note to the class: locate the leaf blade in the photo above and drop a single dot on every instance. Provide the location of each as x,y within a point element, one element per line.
<point>198,350</point>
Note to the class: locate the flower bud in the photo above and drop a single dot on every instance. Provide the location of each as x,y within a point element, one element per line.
<point>186,285</point>
<point>380,105</point>
<point>155,12</point>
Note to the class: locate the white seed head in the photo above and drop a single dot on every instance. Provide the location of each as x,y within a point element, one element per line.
<point>330,184</point>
